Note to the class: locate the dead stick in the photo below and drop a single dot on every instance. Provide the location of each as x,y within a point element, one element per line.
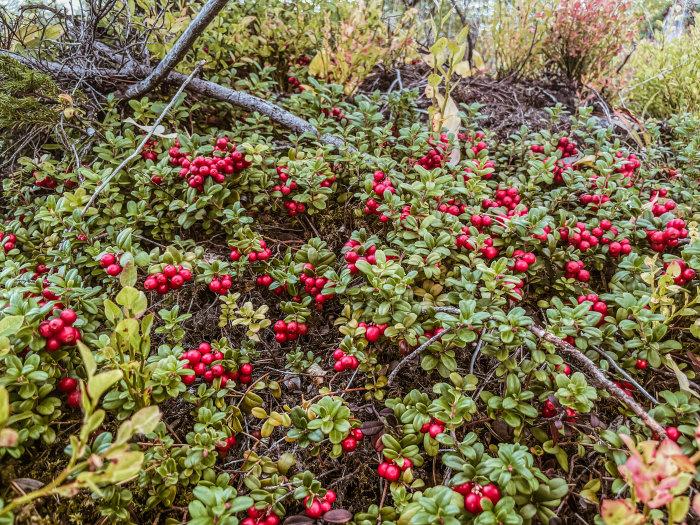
<point>595,372</point>
<point>416,352</point>
<point>179,50</point>
<point>138,149</point>
<point>589,366</point>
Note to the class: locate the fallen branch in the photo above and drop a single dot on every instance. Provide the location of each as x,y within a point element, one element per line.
<point>595,372</point>
<point>203,87</point>
<point>178,51</point>
<point>418,351</point>
<point>585,363</point>
<point>138,149</point>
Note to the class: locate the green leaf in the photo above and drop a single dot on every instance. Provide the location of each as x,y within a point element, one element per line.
<point>10,325</point>
<point>100,383</point>
<point>88,359</point>
<point>128,275</point>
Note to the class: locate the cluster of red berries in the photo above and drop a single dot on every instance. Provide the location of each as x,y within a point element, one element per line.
<point>294,207</point>
<point>480,222</point>
<point>201,167</point>
<point>147,153</point>
<point>293,81</point>
<point>252,254</point>
<point>687,274</point>
<point>288,331</point>
<point>314,285</point>
<point>318,506</point>
<point>668,238</point>
<point>593,200</point>
<point>628,167</point>
<point>226,444</point>
<point>567,147</point>
<point>69,386</point>
<point>59,331</point>
<point>434,428</point>
<point>671,173</point>
<point>353,255</point>
<point>9,241</point>
<point>549,410</point>
<point>559,168</point>
<point>661,204</point>
<point>488,250</point>
<point>390,471</point>
<point>349,444</point>
<point>522,260</point>
<point>625,386</point>
<point>453,207</point>
<point>507,198</point>
<point>543,237</point>
<point>171,278</point>
<point>574,270</point>
<point>344,362</point>
<point>598,306</point>
<point>201,362</point>
<point>641,364</point>
<point>434,158</point>
<point>46,182</point>
<point>334,113</point>
<point>303,61</point>
<point>473,494</point>
<point>487,164</point>
<point>257,517</point>
<point>109,262</point>
<point>380,184</point>
<point>583,240</point>
<point>479,146</point>
<point>372,331</point>
<point>265,281</point>
<point>616,248</point>
<point>47,294</point>
<point>220,284</point>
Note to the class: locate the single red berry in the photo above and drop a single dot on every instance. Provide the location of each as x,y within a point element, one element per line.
<point>69,316</point>
<point>67,385</point>
<point>673,433</point>
<point>491,492</point>
<point>349,444</point>
<point>74,399</point>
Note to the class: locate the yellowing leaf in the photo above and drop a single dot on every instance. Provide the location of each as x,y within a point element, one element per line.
<point>463,69</point>
<point>319,65</point>
<point>588,160</point>
<point>478,61</point>
<point>429,60</point>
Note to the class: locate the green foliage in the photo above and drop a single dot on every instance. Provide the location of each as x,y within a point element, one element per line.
<point>664,75</point>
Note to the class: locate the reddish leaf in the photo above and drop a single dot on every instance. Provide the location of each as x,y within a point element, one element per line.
<point>299,519</point>
<point>377,441</point>
<point>370,428</point>
<point>337,516</point>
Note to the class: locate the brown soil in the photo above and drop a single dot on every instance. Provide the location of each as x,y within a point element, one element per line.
<point>507,104</point>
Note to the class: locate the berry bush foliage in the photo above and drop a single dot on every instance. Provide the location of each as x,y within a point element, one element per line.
<point>251,327</point>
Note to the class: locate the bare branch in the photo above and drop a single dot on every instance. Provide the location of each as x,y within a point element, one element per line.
<point>596,373</point>
<point>138,149</point>
<point>586,364</point>
<point>417,352</point>
<point>179,50</point>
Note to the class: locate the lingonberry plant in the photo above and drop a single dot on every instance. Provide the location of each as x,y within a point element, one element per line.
<point>320,307</point>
